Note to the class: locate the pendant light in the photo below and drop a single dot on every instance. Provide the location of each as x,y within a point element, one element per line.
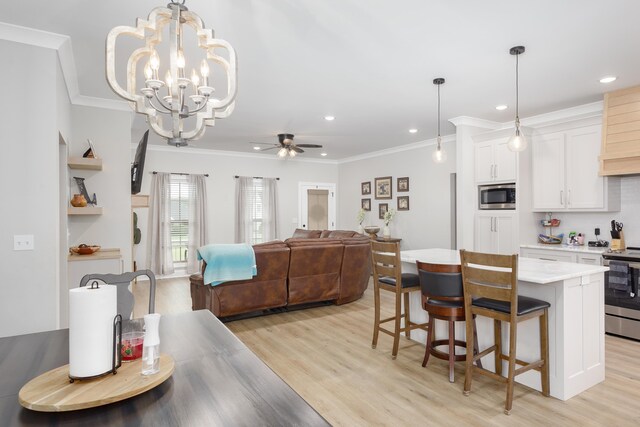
<point>517,142</point>
<point>439,156</point>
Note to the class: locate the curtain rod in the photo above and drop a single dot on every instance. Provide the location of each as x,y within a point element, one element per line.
<point>177,173</point>
<point>256,177</point>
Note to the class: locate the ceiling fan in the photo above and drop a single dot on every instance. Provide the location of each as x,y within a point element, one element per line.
<point>287,147</point>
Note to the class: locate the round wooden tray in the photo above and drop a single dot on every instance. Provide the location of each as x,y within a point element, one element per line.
<point>52,391</point>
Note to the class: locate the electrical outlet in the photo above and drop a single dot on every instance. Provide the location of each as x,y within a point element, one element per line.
<point>23,242</point>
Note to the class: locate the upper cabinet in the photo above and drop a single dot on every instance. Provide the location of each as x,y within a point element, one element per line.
<point>494,162</point>
<point>620,153</point>
<point>565,173</point>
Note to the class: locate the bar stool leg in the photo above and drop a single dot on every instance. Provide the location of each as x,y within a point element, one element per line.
<point>396,330</point>
<point>430,337</point>
<point>544,351</point>
<point>512,367</point>
<point>452,349</point>
<point>476,347</point>
<point>468,372</point>
<point>376,320</point>
<point>407,318</point>
<point>497,337</point>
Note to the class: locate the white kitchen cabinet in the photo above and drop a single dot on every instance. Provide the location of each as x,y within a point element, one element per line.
<point>494,162</point>
<point>565,173</point>
<point>548,184</point>
<point>563,253</point>
<point>496,232</point>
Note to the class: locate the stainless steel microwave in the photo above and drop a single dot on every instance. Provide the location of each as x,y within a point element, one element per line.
<point>501,196</point>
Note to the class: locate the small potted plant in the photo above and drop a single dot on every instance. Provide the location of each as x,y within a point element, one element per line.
<point>388,217</point>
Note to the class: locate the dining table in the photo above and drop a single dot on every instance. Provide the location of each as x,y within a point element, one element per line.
<point>217,381</point>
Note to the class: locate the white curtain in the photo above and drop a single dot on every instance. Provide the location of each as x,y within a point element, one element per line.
<point>270,209</point>
<point>244,211</point>
<point>159,257</point>
<point>197,219</point>
<point>256,210</point>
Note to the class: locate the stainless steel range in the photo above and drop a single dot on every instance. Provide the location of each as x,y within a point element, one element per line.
<point>622,301</point>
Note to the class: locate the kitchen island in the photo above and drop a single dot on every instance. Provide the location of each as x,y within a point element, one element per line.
<point>576,320</point>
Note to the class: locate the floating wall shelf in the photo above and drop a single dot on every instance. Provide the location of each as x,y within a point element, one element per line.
<point>87,210</point>
<point>86,163</point>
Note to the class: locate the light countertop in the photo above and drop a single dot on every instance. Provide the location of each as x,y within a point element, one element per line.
<point>529,269</point>
<point>567,248</point>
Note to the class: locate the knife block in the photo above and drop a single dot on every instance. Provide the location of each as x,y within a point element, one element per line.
<point>618,244</point>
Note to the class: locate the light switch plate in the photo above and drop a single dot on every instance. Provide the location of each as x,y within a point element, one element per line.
<point>23,242</point>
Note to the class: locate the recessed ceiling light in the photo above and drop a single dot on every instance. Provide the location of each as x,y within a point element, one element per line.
<point>323,154</point>
<point>256,148</point>
<point>329,118</point>
<point>501,107</point>
<point>413,130</point>
<point>608,79</point>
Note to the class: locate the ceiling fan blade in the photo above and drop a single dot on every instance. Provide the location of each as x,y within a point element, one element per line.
<point>270,148</point>
<point>309,145</point>
<point>296,149</point>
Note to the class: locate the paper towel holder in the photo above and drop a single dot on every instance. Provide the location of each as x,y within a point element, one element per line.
<point>116,358</point>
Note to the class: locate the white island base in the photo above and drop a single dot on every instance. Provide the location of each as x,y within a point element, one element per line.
<point>576,321</point>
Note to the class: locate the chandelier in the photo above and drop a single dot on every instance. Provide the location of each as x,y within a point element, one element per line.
<point>184,102</point>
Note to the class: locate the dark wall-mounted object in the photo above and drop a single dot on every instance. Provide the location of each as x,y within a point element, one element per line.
<point>137,167</point>
<point>83,191</point>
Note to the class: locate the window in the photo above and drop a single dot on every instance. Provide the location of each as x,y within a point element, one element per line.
<point>179,194</point>
<point>256,220</point>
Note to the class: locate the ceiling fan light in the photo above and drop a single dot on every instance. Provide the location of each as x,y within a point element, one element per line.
<point>282,152</point>
<point>292,153</point>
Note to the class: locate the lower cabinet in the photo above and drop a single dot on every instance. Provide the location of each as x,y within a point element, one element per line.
<point>496,232</point>
<point>560,255</point>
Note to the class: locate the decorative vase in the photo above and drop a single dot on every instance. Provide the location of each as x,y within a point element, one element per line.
<point>360,229</point>
<point>78,201</point>
<point>386,233</point>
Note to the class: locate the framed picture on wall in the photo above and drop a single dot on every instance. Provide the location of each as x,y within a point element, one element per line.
<point>403,203</point>
<point>383,188</point>
<point>403,184</point>
<point>382,209</point>
<point>365,204</point>
<point>366,188</point>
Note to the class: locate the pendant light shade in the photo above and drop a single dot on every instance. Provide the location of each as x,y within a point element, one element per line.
<point>517,141</point>
<point>439,156</point>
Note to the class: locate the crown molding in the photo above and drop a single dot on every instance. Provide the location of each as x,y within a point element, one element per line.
<point>206,151</point>
<point>475,122</point>
<point>111,104</point>
<point>580,112</point>
<point>387,151</point>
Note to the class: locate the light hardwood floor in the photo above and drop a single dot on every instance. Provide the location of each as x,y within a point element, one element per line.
<point>325,354</point>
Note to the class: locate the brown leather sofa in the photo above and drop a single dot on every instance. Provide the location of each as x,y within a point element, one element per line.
<point>311,266</point>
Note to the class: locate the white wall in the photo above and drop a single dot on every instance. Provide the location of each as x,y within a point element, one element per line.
<point>222,167</point>
<point>110,132</point>
<point>427,224</point>
<point>29,177</point>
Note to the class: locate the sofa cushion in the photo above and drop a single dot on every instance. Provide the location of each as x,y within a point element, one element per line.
<point>339,234</point>
<point>295,242</point>
<point>270,245</point>
<point>306,234</point>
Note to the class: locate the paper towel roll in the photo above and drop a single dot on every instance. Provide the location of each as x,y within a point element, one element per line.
<point>91,313</point>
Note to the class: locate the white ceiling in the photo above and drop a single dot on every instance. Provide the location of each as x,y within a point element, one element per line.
<point>371,63</point>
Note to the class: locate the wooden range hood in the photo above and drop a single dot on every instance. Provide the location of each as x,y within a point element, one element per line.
<point>620,153</point>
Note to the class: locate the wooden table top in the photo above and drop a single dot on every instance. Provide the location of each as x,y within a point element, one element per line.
<point>217,381</point>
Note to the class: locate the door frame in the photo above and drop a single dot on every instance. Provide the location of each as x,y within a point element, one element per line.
<point>303,202</point>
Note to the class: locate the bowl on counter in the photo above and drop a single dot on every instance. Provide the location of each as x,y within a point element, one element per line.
<point>85,249</point>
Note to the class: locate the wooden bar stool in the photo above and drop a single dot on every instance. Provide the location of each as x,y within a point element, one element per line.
<point>494,293</point>
<point>443,299</point>
<point>388,276</point>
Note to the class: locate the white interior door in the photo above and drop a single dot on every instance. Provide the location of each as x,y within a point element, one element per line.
<point>317,206</point>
